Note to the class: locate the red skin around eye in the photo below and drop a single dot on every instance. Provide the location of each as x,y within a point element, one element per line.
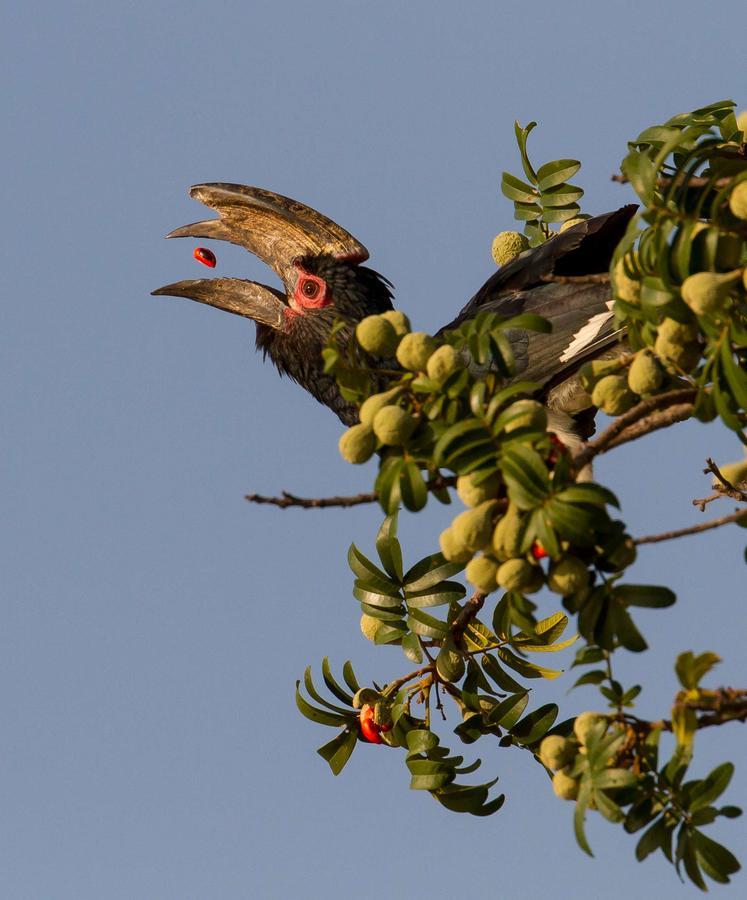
<point>204,256</point>
<point>300,301</point>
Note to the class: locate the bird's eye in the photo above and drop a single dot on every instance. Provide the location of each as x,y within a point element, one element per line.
<point>310,289</point>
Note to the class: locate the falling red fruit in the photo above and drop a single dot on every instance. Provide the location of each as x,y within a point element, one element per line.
<point>205,256</point>
<point>538,551</point>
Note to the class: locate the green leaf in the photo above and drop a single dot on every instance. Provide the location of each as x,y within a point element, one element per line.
<point>373,598</point>
<point>411,648</point>
<point>644,595</point>
<point>508,711</point>
<point>317,715</point>
<point>388,547</point>
<point>614,778</point>
<point>412,486</point>
<point>338,751</point>
<point>431,782</point>
<point>387,484</point>
<point>641,172</point>
<point>556,172</point>
<point>596,676</point>
<point>516,189</point>
<point>588,493</point>
<point>692,669</point>
<point>349,675</point>
<point>562,195</point>
<point>524,667</point>
<point>420,740</point>
<point>718,857</point>
<point>443,592</point>
<point>535,725</point>
<point>504,681</point>
<point>334,688</point>
<point>629,636</point>
<point>526,476</point>
<point>579,818</point>
<point>308,683</point>
<point>365,570</point>
<point>712,787</point>
<point>651,840</point>
<point>521,139</point>
<point>426,626</point>
<point>429,572</point>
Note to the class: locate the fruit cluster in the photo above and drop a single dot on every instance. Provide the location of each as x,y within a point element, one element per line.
<point>561,754</point>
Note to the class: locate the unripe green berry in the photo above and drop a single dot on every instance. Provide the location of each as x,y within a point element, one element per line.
<point>507,246</point>
<point>620,554</point>
<point>567,576</point>
<point>357,444</point>
<point>442,363</point>
<point>530,414</point>
<point>645,375</point>
<point>681,357</point>
<point>376,336</point>
<point>677,332</point>
<point>472,494</point>
<point>474,527</point>
<point>508,534</point>
<point>625,287</point>
<point>398,320</point>
<point>570,223</point>
<point>592,372</point>
<point>393,426</point>
<point>586,723</point>
<point>414,351</point>
<point>371,405</point>
<point>738,200</point>
<point>612,395</point>
<point>708,292</point>
<point>735,473</point>
<point>481,572</point>
<point>516,575</point>
<point>452,548</point>
<point>564,786</point>
<point>369,626</point>
<point>556,752</point>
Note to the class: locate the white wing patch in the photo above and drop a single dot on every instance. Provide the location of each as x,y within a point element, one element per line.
<point>584,338</point>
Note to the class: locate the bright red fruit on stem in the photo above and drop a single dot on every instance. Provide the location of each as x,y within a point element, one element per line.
<point>204,256</point>
<point>369,729</point>
<point>538,551</point>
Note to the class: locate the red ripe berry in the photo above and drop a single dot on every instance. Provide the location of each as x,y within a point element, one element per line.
<point>204,256</point>
<point>369,729</point>
<point>538,551</point>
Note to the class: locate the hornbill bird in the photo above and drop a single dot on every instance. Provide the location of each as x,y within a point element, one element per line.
<point>321,267</point>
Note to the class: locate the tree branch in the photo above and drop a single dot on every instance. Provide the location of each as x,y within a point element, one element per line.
<point>469,611</point>
<point>287,499</point>
<point>649,415</point>
<point>692,529</point>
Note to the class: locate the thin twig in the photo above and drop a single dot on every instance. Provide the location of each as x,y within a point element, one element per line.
<point>287,499</point>
<point>642,418</point>
<point>692,529</point>
<point>600,278</point>
<point>726,486</point>
<point>695,181</point>
<point>469,611</point>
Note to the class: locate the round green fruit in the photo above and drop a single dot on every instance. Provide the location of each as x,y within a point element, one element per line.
<point>507,246</point>
<point>393,426</point>
<point>472,494</point>
<point>442,363</point>
<point>564,786</point>
<point>529,414</point>
<point>481,572</point>
<point>735,473</point>
<point>414,351</point>
<point>645,375</point>
<point>586,723</point>
<point>452,548</point>
<point>376,336</point>
<point>612,395</point>
<point>357,444</point>
<point>556,752</point>
<point>625,287</point>
<point>369,626</point>
<point>738,200</point>
<point>371,405</point>
<point>516,575</point>
<point>474,527</point>
<point>507,537</point>
<point>567,576</point>
<point>679,356</point>
<point>709,292</point>
<point>398,320</point>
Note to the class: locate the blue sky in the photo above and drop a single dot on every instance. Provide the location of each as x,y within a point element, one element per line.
<point>153,623</point>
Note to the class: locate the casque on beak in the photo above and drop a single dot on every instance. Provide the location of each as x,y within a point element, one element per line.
<point>274,228</point>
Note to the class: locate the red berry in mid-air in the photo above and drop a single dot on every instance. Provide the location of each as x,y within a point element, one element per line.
<point>204,256</point>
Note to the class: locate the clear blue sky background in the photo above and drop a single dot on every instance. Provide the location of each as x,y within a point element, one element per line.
<point>153,623</point>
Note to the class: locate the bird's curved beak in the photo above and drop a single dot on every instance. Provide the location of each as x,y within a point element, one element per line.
<point>274,228</point>
<point>254,301</point>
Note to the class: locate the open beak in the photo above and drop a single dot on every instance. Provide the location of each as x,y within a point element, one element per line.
<point>274,228</point>
<point>243,298</point>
